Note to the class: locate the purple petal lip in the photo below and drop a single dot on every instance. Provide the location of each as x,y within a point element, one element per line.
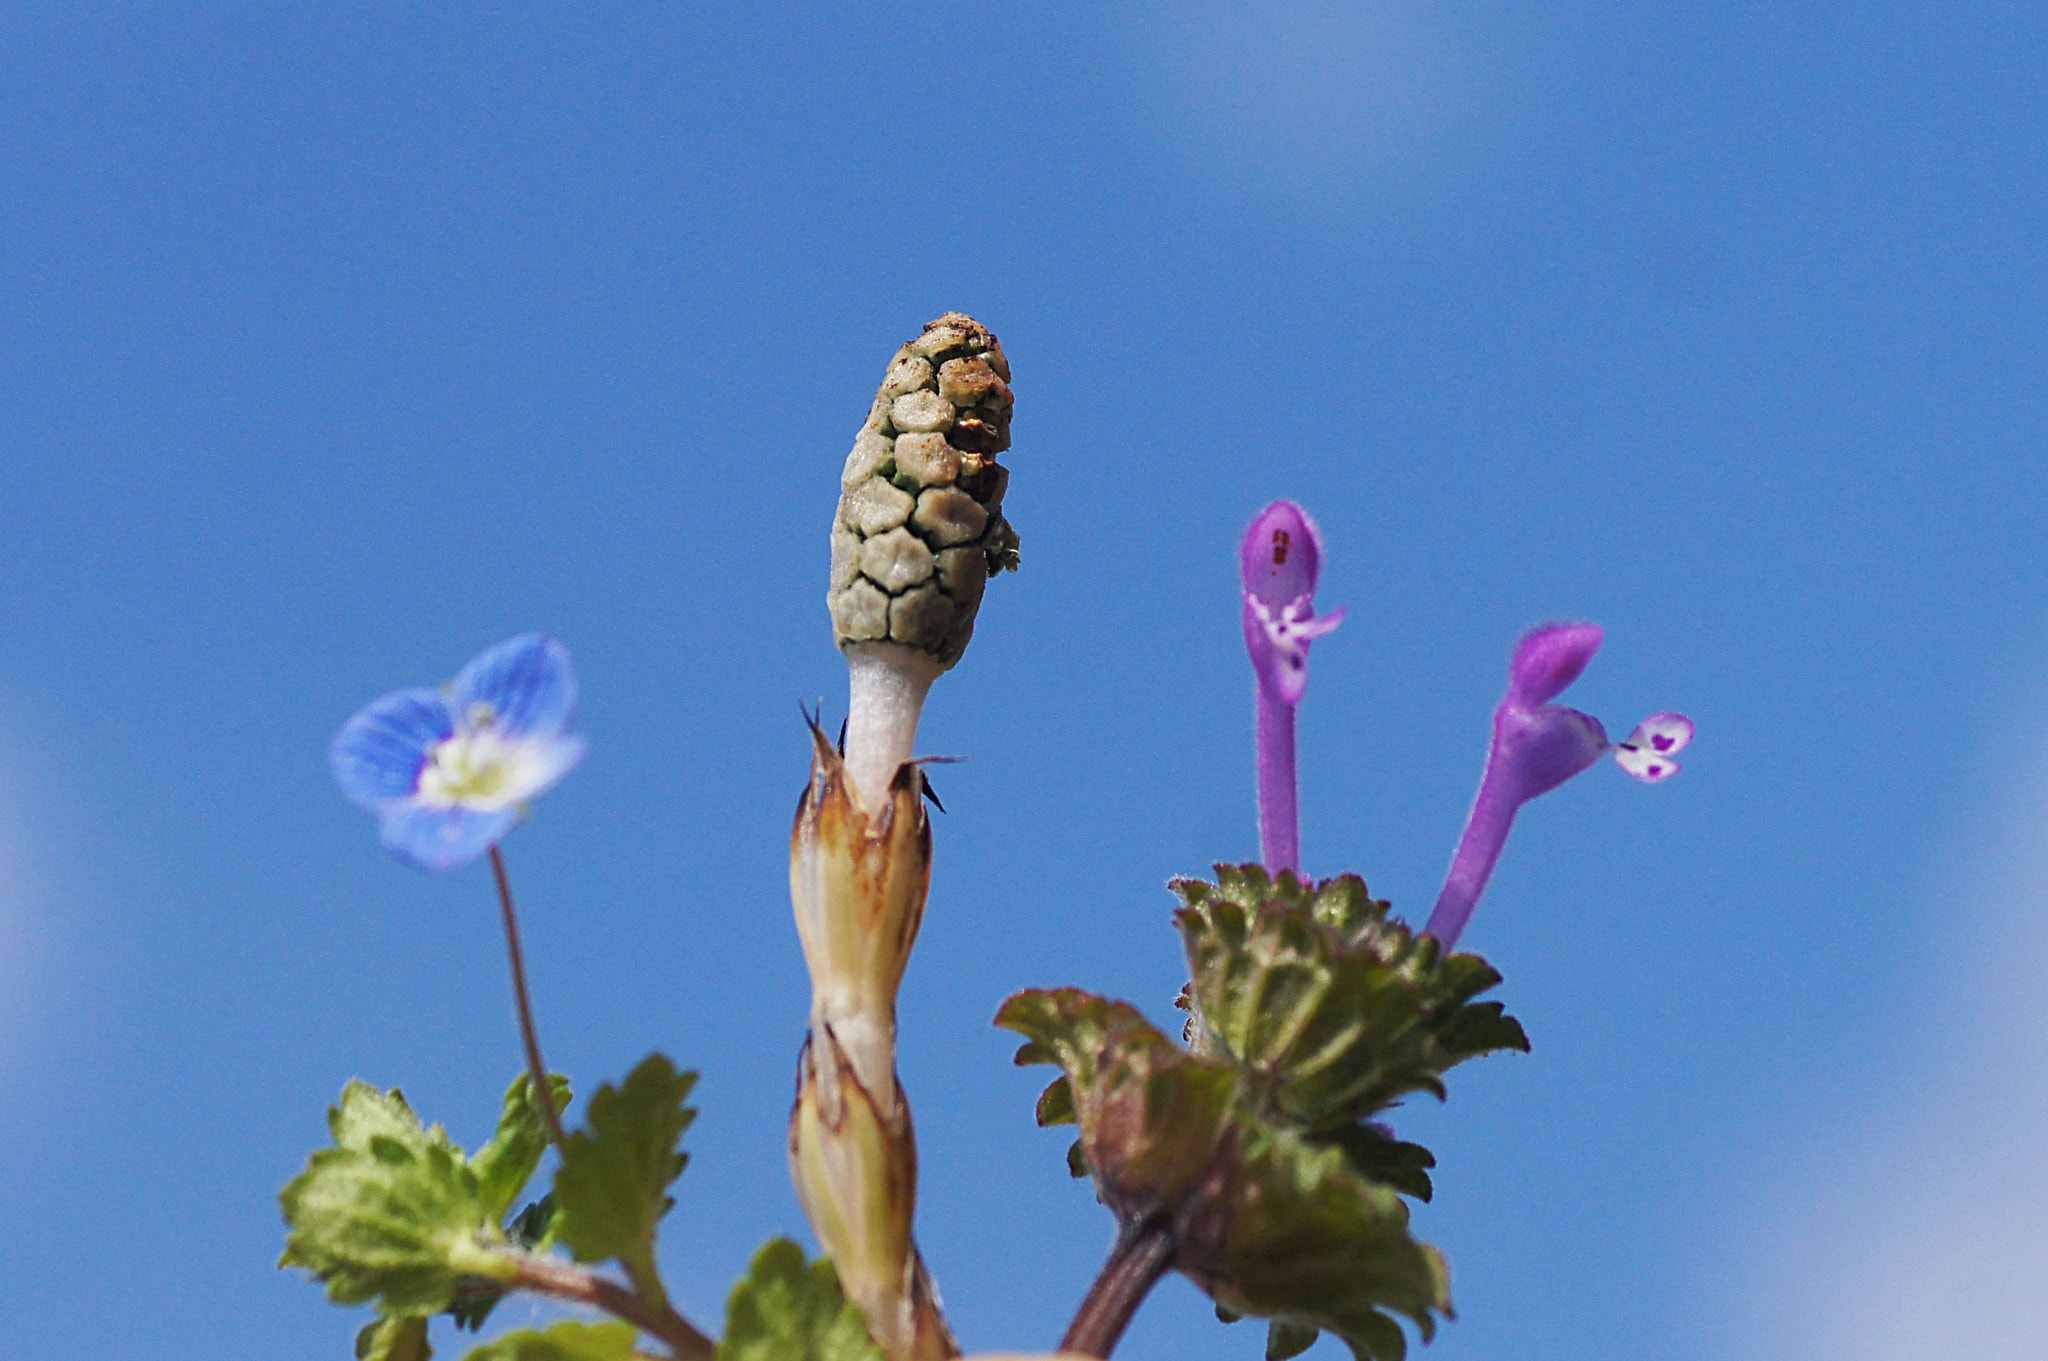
<point>1536,750</point>
<point>1549,658</point>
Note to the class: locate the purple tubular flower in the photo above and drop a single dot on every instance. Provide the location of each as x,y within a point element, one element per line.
<point>1280,557</point>
<point>1537,746</point>
<point>449,772</point>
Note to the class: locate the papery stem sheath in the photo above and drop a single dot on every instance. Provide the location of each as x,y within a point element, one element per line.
<point>536,1067</point>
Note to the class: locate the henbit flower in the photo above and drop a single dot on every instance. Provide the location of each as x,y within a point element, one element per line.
<point>450,771</point>
<point>1279,559</point>
<point>1537,746</point>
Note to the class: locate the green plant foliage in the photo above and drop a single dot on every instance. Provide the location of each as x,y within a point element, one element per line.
<point>392,1212</point>
<point>1312,1011</point>
<point>531,1230</point>
<point>1284,1339</point>
<point>1269,1221</point>
<point>563,1342</point>
<point>787,1310</point>
<point>1151,1114</point>
<point>505,1164</point>
<point>612,1187</point>
<point>1378,1156</point>
<point>1307,1241</point>
<point>1334,1010</point>
<point>394,1339</point>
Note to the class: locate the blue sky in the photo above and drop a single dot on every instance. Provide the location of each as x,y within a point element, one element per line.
<point>337,343</point>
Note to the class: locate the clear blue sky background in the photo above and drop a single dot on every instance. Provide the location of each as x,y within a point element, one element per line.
<point>337,342</point>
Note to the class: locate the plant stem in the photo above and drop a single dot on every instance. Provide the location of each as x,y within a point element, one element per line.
<point>536,1067</point>
<point>887,685</point>
<point>1486,832</point>
<point>1279,820</point>
<point>546,1276</point>
<point>1141,1256</point>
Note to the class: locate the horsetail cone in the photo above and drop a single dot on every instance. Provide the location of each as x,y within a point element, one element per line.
<point>918,533</point>
<point>920,528</point>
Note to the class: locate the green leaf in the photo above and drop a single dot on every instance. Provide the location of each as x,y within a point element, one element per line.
<point>394,1339</point>
<point>533,1230</point>
<point>1151,1114</point>
<point>1305,1239</point>
<point>612,1186</point>
<point>1378,1156</point>
<point>1338,1009</point>
<point>474,1300</point>
<point>505,1164</point>
<point>1284,1339</point>
<point>393,1212</point>
<point>563,1342</point>
<point>364,1113</point>
<point>786,1310</point>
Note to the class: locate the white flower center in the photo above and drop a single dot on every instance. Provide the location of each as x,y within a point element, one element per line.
<point>477,768</point>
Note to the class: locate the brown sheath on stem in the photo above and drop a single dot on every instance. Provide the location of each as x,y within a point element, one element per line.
<point>858,884</point>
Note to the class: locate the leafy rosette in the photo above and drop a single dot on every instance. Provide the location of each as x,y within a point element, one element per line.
<point>1252,1149</point>
<point>1332,1009</point>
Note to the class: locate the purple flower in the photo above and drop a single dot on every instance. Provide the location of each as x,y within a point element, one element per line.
<point>1537,746</point>
<point>449,771</point>
<point>1279,558</point>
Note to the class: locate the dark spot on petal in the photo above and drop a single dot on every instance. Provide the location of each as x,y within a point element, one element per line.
<point>1661,743</point>
<point>1281,540</point>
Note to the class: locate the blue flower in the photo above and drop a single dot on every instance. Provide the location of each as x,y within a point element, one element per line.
<point>449,771</point>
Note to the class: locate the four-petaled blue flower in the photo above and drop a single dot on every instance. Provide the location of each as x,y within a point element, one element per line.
<point>449,771</point>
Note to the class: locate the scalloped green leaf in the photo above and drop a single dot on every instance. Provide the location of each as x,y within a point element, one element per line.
<point>1308,1241</point>
<point>394,1339</point>
<point>611,1189</point>
<point>1378,1156</point>
<point>1151,1114</point>
<point>392,1213</point>
<point>789,1310</point>
<point>563,1342</point>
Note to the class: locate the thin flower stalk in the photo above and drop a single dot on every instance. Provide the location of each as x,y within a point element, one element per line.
<point>1537,746</point>
<point>1279,558</point>
<point>450,772</point>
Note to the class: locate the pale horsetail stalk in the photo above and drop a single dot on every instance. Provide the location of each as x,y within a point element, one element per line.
<point>918,533</point>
